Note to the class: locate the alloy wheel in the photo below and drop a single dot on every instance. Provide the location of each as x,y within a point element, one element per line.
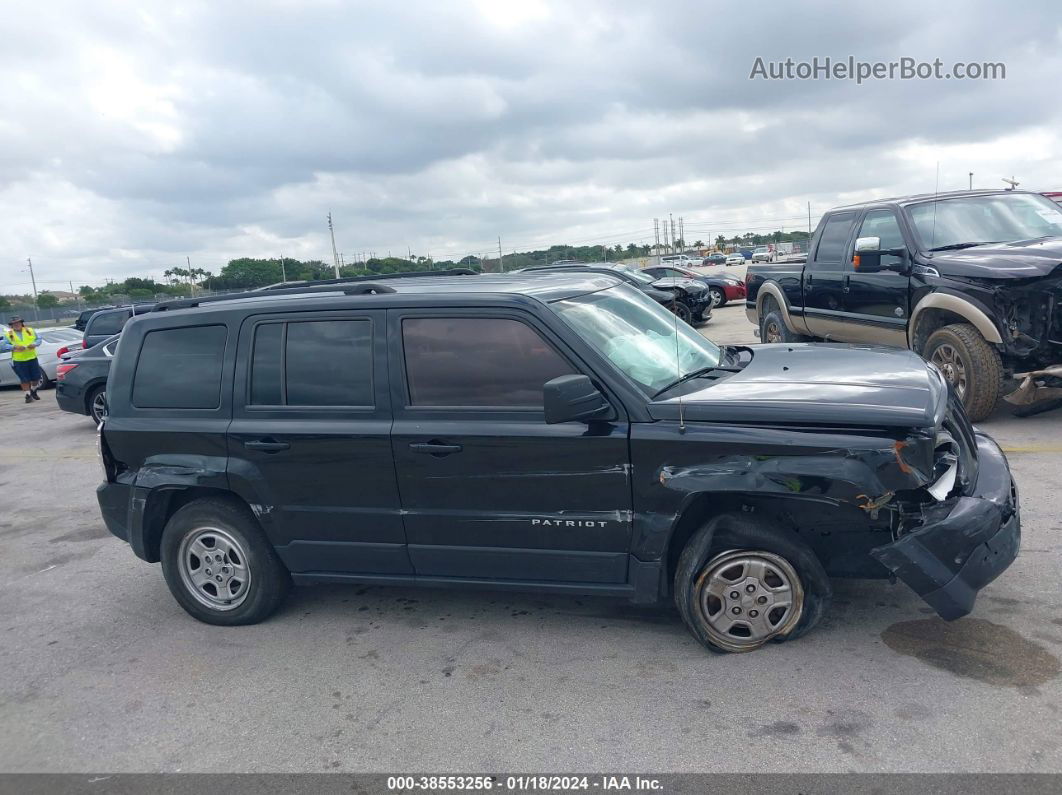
<point>746,598</point>
<point>99,407</point>
<point>951,365</point>
<point>214,568</point>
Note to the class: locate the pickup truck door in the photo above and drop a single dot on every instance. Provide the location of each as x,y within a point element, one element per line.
<point>877,304</point>
<point>824,278</point>
<point>490,491</point>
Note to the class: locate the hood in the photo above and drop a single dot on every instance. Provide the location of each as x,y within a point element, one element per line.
<point>670,282</point>
<point>819,384</point>
<point>1022,259</point>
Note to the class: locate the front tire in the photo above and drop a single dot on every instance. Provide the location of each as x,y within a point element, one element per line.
<point>682,310</point>
<point>718,297</point>
<point>741,583</point>
<point>219,566</point>
<point>970,365</point>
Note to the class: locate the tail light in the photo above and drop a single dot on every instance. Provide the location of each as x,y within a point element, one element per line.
<point>63,369</point>
<point>84,343</point>
<point>59,354</point>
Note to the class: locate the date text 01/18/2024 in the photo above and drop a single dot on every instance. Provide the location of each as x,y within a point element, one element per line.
<point>529,783</point>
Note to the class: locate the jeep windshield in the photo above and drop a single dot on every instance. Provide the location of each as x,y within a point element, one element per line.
<point>639,336</point>
<point>966,221</point>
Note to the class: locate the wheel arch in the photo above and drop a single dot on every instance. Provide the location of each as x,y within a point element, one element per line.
<point>163,502</point>
<point>938,309</point>
<point>771,290</point>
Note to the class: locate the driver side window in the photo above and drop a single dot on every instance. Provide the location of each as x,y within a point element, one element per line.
<point>882,224</point>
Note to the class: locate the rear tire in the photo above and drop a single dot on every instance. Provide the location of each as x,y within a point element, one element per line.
<point>970,364</point>
<point>212,541</point>
<point>728,552</point>
<point>96,404</point>
<point>43,382</point>
<point>773,328</point>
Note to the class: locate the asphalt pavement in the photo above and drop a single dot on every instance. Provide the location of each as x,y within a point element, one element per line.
<point>100,670</point>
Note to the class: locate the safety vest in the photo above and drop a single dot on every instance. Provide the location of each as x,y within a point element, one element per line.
<point>27,337</point>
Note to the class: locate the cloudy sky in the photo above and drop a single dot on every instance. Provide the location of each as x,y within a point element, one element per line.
<point>135,134</point>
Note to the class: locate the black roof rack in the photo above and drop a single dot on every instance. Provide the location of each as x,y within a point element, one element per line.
<point>352,285</point>
<point>370,278</point>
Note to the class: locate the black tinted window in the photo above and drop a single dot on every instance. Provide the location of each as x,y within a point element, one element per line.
<point>180,368</point>
<point>313,363</point>
<point>883,224</point>
<point>477,362</point>
<point>329,363</point>
<point>834,236</point>
<point>107,323</point>
<point>266,371</point>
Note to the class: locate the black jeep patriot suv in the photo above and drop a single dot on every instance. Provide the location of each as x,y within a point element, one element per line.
<point>558,433</point>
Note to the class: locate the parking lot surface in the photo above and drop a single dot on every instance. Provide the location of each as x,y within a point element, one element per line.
<point>100,670</point>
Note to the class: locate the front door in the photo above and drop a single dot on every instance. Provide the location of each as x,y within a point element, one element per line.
<point>489,490</point>
<point>824,279</point>
<point>310,441</point>
<point>877,303</point>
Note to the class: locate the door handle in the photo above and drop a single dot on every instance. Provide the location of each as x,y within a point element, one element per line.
<point>844,288</point>
<point>809,278</point>
<point>267,445</point>
<point>435,448</point>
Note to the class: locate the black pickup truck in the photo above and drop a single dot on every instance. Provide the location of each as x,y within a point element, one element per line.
<point>970,280</point>
<point>558,432</point>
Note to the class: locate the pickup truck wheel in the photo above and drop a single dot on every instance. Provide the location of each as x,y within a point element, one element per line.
<point>718,296</point>
<point>740,584</point>
<point>773,328</point>
<point>682,310</point>
<point>970,365</point>
<point>219,565</point>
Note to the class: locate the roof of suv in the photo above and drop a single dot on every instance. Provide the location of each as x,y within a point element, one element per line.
<point>544,287</point>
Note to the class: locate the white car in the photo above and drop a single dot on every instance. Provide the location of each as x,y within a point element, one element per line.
<point>681,260</point>
<point>51,341</point>
<point>735,259</point>
<point>762,254</point>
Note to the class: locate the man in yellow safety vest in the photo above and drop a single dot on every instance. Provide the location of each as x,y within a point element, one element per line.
<point>23,342</point>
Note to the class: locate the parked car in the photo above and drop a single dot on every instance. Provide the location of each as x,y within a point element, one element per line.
<point>556,432</point>
<point>737,258</point>
<point>687,298</point>
<point>81,380</point>
<point>714,259</point>
<point>970,280</point>
<point>83,317</point>
<point>722,287</point>
<point>51,342</point>
<point>681,260</point>
<point>762,254</point>
<point>107,323</point>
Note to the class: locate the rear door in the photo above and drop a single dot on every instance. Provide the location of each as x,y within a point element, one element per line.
<point>877,304</point>
<point>824,278</point>
<point>310,440</point>
<point>489,490</point>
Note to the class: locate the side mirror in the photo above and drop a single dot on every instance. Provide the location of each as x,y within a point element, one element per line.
<point>574,398</point>
<point>868,254</point>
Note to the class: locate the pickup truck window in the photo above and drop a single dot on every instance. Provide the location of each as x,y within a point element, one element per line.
<point>638,336</point>
<point>834,237</point>
<point>477,361</point>
<point>883,224</point>
<point>997,218</point>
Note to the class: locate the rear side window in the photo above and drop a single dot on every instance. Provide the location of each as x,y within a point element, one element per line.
<point>108,323</point>
<point>313,363</point>
<point>180,368</point>
<point>834,237</point>
<point>468,361</point>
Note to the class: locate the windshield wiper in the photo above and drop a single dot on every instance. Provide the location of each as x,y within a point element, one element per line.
<point>696,374</point>
<point>957,246</point>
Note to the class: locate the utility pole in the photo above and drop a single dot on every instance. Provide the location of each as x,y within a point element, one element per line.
<point>283,270</point>
<point>809,218</point>
<point>33,279</point>
<point>671,245</point>
<point>971,180</point>
<point>77,298</point>
<point>501,261</point>
<point>682,234</point>
<point>335,254</point>
<point>656,235</point>
<point>191,281</point>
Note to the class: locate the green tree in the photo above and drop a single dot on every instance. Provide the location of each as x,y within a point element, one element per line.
<point>4,303</point>
<point>720,242</point>
<point>47,301</point>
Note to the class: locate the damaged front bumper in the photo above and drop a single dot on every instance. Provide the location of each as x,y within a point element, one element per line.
<point>965,543</point>
<point>1037,386</point>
